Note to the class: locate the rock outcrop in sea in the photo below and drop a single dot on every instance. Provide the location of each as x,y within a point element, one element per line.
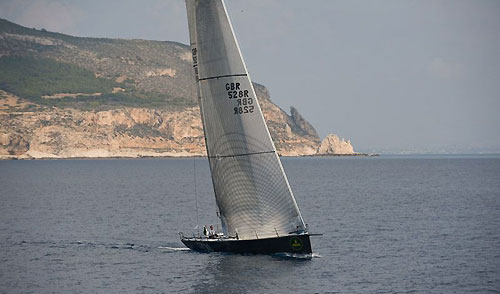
<point>333,145</point>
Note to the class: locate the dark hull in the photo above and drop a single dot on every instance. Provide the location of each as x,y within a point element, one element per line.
<point>299,244</point>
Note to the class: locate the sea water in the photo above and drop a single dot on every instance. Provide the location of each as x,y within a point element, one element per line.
<point>420,224</point>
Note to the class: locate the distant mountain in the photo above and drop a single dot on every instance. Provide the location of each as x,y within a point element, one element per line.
<point>65,96</point>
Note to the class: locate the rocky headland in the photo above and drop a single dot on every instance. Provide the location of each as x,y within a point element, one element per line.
<point>70,97</point>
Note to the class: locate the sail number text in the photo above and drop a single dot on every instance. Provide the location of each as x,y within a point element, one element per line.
<point>245,103</point>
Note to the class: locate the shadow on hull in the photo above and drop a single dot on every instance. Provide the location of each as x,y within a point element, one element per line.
<point>295,244</point>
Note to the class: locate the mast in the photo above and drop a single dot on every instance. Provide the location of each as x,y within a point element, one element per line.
<point>251,189</point>
<point>190,9</point>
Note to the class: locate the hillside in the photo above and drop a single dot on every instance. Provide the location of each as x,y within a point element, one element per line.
<point>63,96</point>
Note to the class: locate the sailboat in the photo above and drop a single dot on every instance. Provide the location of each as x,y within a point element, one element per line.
<point>256,206</point>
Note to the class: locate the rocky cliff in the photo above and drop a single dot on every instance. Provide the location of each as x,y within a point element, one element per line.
<point>125,132</point>
<point>64,97</point>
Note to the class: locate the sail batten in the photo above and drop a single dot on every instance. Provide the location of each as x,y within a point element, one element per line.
<point>252,192</point>
<point>223,76</point>
<point>245,154</point>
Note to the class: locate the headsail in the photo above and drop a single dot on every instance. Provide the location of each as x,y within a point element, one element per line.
<point>251,188</point>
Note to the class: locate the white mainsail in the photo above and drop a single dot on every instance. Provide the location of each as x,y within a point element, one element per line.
<point>251,189</point>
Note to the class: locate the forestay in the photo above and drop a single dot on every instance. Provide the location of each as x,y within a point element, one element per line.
<point>251,189</point>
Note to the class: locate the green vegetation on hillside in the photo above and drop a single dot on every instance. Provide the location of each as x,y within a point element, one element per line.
<point>31,78</point>
<point>150,73</point>
<point>113,100</point>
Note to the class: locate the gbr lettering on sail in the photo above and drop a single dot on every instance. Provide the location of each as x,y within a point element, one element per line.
<point>244,102</point>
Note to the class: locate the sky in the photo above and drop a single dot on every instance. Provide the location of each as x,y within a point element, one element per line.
<point>391,76</point>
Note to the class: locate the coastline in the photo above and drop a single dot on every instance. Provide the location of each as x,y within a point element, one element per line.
<point>363,155</point>
<point>342,155</point>
<point>159,155</point>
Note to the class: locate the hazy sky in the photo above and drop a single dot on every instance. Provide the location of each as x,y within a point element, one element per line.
<point>389,75</point>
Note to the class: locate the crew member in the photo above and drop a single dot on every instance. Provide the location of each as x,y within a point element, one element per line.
<point>211,233</point>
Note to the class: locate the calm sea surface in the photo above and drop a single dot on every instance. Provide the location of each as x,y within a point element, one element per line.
<point>390,224</point>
